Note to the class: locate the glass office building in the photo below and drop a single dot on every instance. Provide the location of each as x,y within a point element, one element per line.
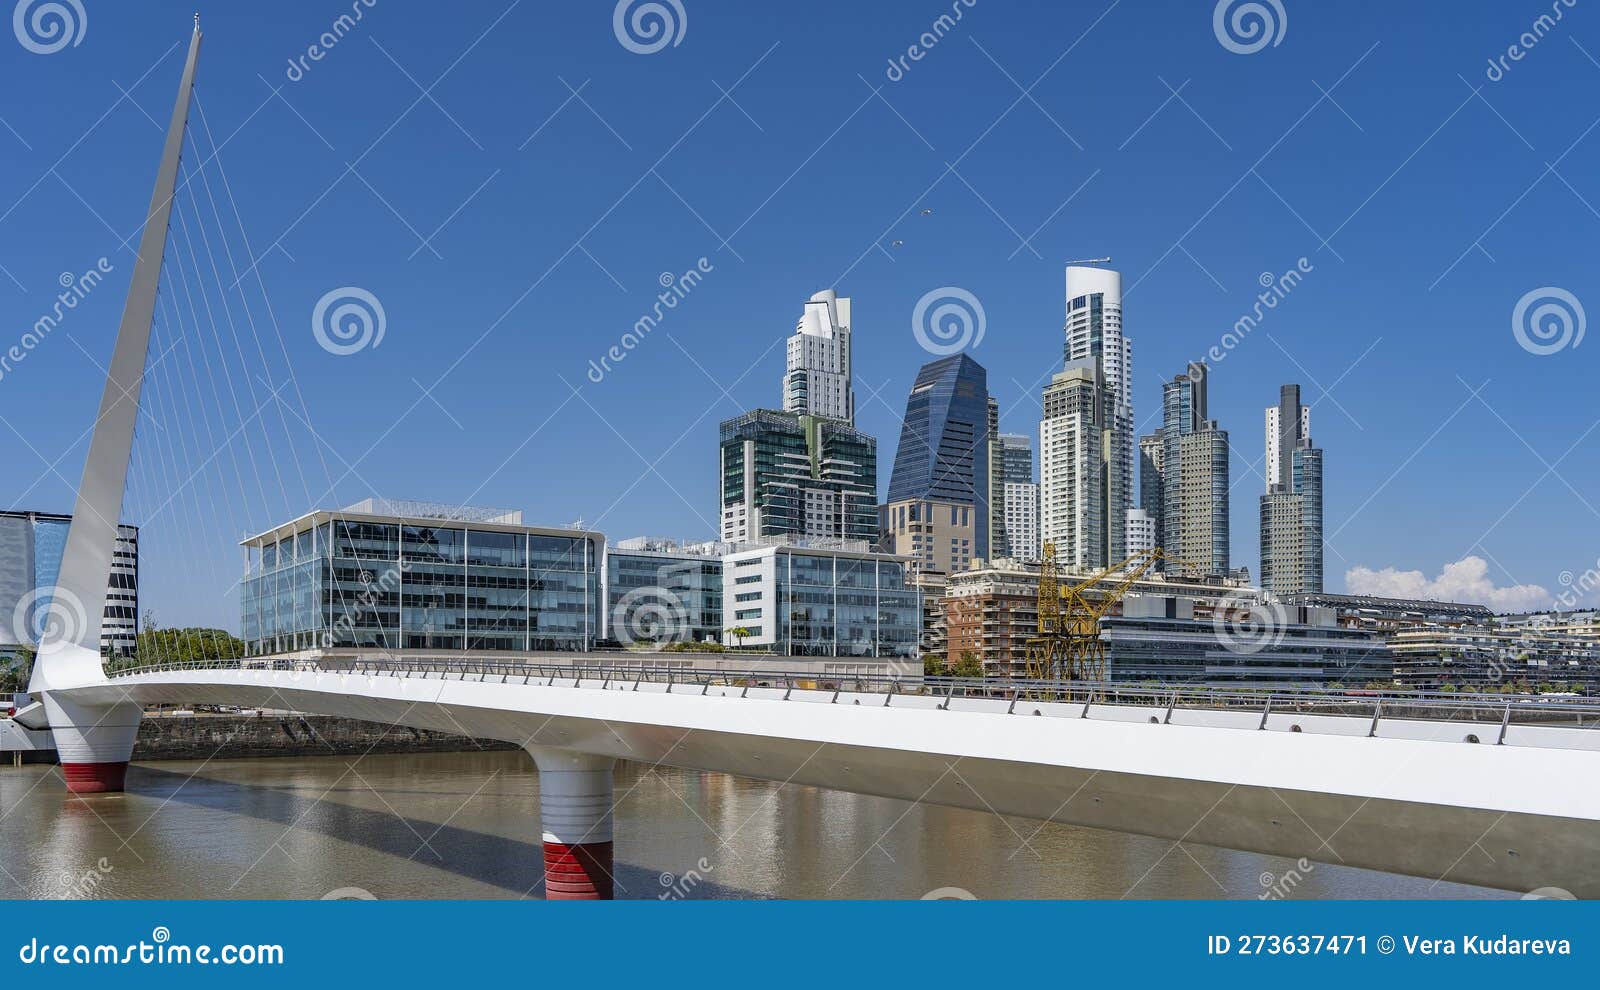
<point>944,441</point>
<point>787,476</point>
<point>406,576</point>
<point>815,602</point>
<point>658,592</point>
<point>31,547</point>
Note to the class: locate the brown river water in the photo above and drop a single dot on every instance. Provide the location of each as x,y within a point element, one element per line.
<point>465,825</point>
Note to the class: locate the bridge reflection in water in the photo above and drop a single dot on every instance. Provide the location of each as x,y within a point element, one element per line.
<point>306,827</point>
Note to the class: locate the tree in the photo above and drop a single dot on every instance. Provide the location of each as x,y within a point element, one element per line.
<point>188,645</point>
<point>968,665</point>
<point>739,633</point>
<point>15,669</point>
<point>933,665</point>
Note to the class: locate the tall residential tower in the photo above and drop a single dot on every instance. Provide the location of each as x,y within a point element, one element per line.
<point>1194,473</point>
<point>1291,509</point>
<point>805,471</point>
<point>1094,333</point>
<point>1072,503</point>
<point>1021,498</point>
<point>817,382</point>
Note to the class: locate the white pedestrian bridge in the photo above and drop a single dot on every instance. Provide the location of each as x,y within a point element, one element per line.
<point>1493,790</point>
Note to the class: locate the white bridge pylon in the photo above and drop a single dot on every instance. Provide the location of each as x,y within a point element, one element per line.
<point>96,741</point>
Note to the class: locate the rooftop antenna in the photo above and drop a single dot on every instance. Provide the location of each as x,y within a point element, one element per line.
<point>1091,261</point>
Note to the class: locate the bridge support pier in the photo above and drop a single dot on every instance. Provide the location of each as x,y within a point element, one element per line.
<point>575,799</point>
<point>94,742</point>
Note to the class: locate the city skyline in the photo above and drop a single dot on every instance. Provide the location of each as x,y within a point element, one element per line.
<point>1183,296</point>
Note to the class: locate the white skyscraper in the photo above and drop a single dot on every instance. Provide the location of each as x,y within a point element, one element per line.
<point>1141,532</point>
<point>1022,520</point>
<point>817,382</point>
<point>1275,460</point>
<point>1071,468</point>
<point>1094,333</point>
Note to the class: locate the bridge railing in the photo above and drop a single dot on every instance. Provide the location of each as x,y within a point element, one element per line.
<point>1503,709</point>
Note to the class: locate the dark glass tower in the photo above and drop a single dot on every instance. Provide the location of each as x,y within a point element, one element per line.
<point>944,440</point>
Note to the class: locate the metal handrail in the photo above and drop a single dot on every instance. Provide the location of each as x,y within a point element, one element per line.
<point>1387,704</point>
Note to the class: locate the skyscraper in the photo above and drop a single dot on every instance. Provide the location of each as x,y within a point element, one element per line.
<point>944,441</point>
<point>786,475</point>
<point>1016,458</point>
<point>817,382</point>
<point>1152,483</point>
<point>1291,509</point>
<point>1093,332</point>
<point>1141,532</point>
<point>1021,494</point>
<point>1072,500</point>
<point>805,471</point>
<point>1194,473</point>
<point>998,539</point>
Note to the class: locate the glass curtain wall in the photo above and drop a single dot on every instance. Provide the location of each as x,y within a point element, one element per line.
<point>846,607</point>
<point>354,584</point>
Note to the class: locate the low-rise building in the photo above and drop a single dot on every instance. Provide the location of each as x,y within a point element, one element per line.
<point>409,577</point>
<point>1495,655</point>
<point>662,592</point>
<point>992,610</point>
<point>1160,639</point>
<point>930,591</point>
<point>1382,614</point>
<point>801,600</point>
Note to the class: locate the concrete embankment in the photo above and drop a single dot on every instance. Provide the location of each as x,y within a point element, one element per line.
<point>199,737</point>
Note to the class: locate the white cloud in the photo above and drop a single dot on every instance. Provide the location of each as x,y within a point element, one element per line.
<point>1466,580</point>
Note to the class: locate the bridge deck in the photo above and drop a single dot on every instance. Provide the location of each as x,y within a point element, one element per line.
<point>1215,767</point>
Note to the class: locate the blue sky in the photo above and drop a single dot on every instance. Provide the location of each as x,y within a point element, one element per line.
<point>513,232</point>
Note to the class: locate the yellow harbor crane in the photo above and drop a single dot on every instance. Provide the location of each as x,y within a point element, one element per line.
<point>1068,645</point>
